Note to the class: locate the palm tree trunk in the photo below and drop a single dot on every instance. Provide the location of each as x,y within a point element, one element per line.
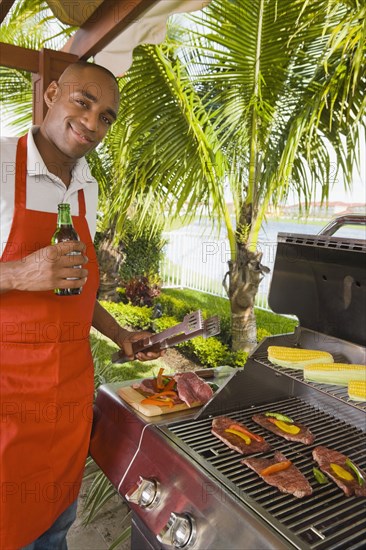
<point>110,259</point>
<point>244,275</point>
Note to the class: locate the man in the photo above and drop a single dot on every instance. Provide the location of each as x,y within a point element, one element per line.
<point>46,365</point>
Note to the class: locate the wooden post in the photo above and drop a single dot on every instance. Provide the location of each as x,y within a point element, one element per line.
<point>50,67</point>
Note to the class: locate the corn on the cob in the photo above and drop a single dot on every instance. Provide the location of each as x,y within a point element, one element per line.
<point>357,390</point>
<point>337,373</point>
<point>296,358</point>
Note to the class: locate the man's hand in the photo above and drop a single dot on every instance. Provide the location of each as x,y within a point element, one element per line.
<point>48,268</point>
<point>125,343</point>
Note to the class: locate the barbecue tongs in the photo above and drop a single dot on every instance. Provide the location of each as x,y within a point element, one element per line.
<point>192,325</point>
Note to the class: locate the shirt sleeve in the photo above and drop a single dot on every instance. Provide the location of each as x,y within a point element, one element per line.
<point>7,187</point>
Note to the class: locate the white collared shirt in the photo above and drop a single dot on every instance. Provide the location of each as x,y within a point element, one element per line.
<point>44,190</point>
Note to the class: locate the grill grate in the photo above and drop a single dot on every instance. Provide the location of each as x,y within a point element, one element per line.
<point>326,520</point>
<point>340,392</point>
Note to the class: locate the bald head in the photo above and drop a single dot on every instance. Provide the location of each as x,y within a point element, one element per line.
<point>75,68</point>
<point>75,73</point>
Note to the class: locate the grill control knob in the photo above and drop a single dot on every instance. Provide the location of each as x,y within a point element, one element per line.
<point>145,493</point>
<point>179,532</point>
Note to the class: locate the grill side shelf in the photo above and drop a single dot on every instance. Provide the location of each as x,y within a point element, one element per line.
<point>327,519</point>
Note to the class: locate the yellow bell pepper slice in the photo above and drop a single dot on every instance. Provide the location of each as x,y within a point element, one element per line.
<point>240,434</point>
<point>288,428</point>
<point>341,472</point>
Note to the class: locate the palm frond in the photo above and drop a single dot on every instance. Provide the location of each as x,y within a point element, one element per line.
<point>29,24</point>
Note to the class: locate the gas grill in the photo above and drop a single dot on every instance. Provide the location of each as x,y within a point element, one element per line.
<point>187,489</point>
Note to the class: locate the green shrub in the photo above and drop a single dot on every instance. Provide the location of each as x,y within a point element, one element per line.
<point>143,251</point>
<point>121,291</point>
<point>173,306</point>
<point>210,352</point>
<point>262,333</point>
<point>238,359</point>
<point>163,323</point>
<point>128,315</point>
<point>213,353</point>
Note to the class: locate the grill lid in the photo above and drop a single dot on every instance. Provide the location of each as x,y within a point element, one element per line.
<point>322,280</point>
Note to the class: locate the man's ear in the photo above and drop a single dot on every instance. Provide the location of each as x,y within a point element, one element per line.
<point>52,93</point>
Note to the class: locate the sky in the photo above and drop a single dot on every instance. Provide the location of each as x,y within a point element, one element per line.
<point>338,193</point>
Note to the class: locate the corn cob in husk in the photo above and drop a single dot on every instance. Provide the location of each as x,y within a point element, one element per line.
<point>357,390</point>
<point>337,373</point>
<point>296,358</point>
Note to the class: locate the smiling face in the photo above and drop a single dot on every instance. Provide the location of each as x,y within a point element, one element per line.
<point>82,106</point>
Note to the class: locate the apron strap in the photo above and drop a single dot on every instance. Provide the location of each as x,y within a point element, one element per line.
<point>81,197</point>
<point>21,172</point>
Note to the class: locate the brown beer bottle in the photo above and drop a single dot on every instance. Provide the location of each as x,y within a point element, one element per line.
<point>65,232</point>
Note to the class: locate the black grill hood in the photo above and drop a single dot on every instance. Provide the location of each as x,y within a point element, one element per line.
<point>322,280</point>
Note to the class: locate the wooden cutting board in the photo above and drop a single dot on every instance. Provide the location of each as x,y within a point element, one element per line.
<point>134,398</point>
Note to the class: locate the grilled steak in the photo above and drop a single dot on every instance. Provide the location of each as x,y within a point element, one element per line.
<point>220,424</point>
<point>192,389</point>
<point>147,386</point>
<point>304,435</point>
<point>324,457</point>
<point>289,481</point>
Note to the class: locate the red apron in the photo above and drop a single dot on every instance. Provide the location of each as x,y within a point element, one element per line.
<point>47,381</point>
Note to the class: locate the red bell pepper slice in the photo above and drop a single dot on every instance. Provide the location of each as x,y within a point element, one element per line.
<point>274,468</point>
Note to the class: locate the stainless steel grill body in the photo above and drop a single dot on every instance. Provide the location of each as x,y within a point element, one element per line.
<point>187,489</point>
<point>199,476</point>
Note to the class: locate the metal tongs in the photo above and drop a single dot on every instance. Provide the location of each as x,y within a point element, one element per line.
<point>192,325</point>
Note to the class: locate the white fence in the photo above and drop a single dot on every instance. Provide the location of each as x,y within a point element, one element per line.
<point>199,262</point>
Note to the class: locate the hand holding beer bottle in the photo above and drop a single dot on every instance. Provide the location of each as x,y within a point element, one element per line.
<point>65,232</point>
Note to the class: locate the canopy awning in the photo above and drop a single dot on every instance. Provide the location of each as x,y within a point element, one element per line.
<point>108,31</point>
<point>149,29</point>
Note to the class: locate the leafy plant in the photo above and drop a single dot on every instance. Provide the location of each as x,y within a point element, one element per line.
<point>172,305</point>
<point>143,251</point>
<point>100,491</point>
<point>139,291</point>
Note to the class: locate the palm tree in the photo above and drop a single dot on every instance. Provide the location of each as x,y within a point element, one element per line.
<point>250,94</point>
